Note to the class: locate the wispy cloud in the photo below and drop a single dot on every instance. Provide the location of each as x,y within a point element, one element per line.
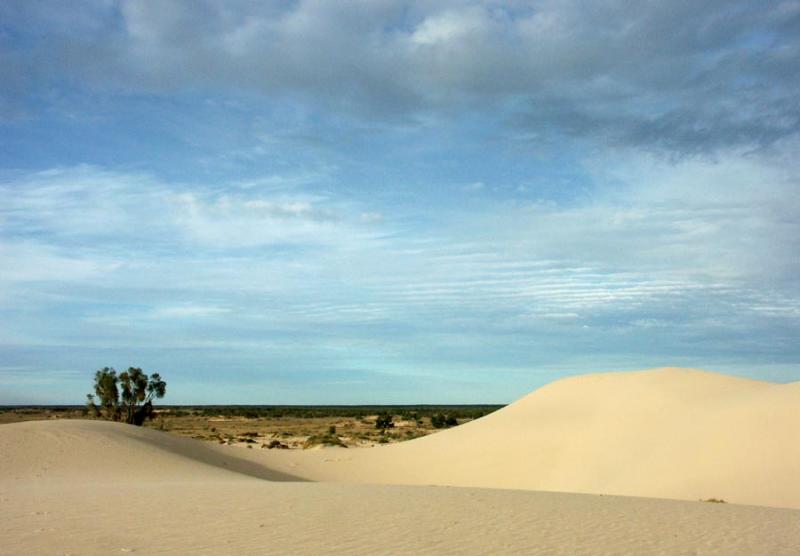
<point>129,210</point>
<point>664,245</point>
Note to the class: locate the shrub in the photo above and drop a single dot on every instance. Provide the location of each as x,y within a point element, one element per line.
<point>275,444</point>
<point>384,421</point>
<point>408,415</point>
<point>441,421</point>
<point>323,440</point>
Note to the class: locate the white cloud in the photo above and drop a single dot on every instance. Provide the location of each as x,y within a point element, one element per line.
<point>189,311</point>
<point>371,217</point>
<point>32,261</point>
<point>86,203</point>
<point>450,28</point>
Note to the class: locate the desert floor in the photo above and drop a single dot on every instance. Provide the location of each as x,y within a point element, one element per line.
<point>664,439</point>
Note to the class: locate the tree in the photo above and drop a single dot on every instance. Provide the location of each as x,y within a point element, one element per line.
<point>127,397</point>
<point>105,388</point>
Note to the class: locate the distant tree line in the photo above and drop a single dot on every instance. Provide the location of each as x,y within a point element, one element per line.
<point>404,412</point>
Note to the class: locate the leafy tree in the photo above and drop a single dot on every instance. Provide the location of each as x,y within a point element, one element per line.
<point>125,397</point>
<point>105,388</point>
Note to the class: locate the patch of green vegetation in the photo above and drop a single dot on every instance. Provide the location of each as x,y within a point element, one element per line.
<point>323,440</point>
<point>442,420</point>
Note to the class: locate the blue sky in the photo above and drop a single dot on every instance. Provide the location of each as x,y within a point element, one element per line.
<point>395,202</point>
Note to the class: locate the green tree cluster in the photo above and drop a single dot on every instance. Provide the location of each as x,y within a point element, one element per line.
<point>442,421</point>
<point>125,397</point>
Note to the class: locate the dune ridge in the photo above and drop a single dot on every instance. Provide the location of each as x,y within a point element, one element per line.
<point>91,487</point>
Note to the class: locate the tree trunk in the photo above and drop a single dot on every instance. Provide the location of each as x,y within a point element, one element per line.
<point>142,413</point>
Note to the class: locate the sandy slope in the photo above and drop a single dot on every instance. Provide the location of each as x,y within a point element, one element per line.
<point>87,487</point>
<point>101,452</point>
<point>671,433</point>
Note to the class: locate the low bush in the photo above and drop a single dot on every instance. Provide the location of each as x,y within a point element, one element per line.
<point>275,444</point>
<point>323,440</point>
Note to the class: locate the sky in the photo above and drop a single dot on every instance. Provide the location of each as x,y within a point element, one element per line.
<point>315,202</point>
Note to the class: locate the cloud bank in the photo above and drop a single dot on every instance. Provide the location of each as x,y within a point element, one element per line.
<point>681,77</point>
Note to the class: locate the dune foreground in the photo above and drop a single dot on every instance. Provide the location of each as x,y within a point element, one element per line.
<point>92,487</point>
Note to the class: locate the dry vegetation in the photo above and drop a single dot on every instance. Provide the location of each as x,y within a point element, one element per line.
<point>279,428</point>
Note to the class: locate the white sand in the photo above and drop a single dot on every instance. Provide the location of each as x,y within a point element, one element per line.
<point>87,487</point>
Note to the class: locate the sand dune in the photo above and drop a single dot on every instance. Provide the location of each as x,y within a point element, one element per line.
<point>87,487</point>
<point>667,433</point>
<point>101,451</point>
